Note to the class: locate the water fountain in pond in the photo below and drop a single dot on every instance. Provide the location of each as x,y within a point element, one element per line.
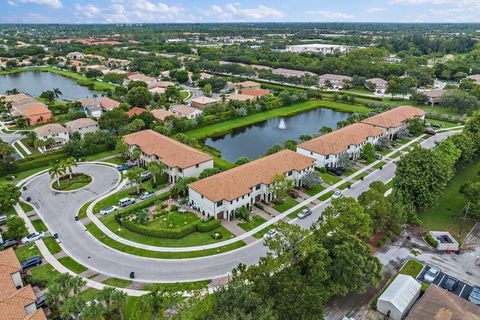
<point>282,125</point>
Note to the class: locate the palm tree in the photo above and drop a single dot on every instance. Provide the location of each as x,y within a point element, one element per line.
<point>56,171</point>
<point>112,298</point>
<point>12,91</point>
<point>135,175</point>
<point>68,164</point>
<point>39,144</point>
<point>155,168</point>
<point>136,153</point>
<point>57,93</point>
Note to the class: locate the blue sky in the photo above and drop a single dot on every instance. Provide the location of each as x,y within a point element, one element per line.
<point>125,11</point>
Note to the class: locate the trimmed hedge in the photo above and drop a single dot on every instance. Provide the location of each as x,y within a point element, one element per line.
<point>141,205</point>
<point>362,96</point>
<point>207,226</point>
<point>157,232</point>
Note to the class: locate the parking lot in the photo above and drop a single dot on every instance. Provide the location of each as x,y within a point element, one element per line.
<point>462,289</point>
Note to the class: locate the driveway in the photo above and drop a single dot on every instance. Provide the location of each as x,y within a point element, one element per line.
<point>58,210</point>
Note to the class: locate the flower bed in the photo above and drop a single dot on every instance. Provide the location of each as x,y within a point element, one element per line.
<point>77,181</point>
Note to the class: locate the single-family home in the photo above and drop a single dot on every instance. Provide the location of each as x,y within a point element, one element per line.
<point>438,303</point>
<point>399,297</point>
<point>221,195</point>
<point>91,107</point>
<point>204,75</point>
<point>102,69</point>
<point>180,160</point>
<point>17,301</point>
<point>161,114</point>
<point>165,74</point>
<point>75,55</point>
<point>434,96</point>
<point>34,112</point>
<point>376,84</point>
<point>186,111</point>
<point>348,140</point>
<point>249,85</point>
<point>139,77</point>
<point>256,93</point>
<point>164,84</point>
<point>202,102</point>
<point>19,98</point>
<point>335,81</point>
<point>55,131</point>
<point>82,126</point>
<point>108,104</point>
<point>292,73</point>
<point>158,90</point>
<point>240,97</point>
<point>393,120</point>
<point>135,111</point>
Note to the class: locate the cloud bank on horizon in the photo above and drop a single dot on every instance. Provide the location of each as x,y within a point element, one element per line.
<point>181,11</point>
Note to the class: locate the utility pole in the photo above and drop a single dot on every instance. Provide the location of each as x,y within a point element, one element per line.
<point>464,219</point>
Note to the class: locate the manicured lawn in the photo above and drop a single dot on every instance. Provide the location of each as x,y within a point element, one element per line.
<point>26,251</point>
<point>444,124</point>
<point>82,213</point>
<point>97,233</point>
<point>52,245</point>
<point>227,126</point>
<point>173,220</point>
<point>72,264</point>
<point>28,146</point>
<point>378,165</point>
<point>313,191</point>
<point>76,182</point>
<point>328,178</point>
<point>25,206</point>
<point>101,155</point>
<point>447,213</point>
<point>115,282</point>
<point>395,155</point>
<point>39,225</point>
<point>252,224</point>
<point>260,233</point>
<point>360,176</point>
<point>115,160</point>
<point>326,196</point>
<point>20,149</point>
<point>350,171</point>
<point>192,239</point>
<point>178,286</point>
<point>411,268</point>
<point>344,185</point>
<point>42,276</point>
<point>389,184</point>
<point>22,175</point>
<point>284,206</point>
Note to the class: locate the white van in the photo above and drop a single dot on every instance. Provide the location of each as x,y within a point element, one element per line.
<point>126,202</point>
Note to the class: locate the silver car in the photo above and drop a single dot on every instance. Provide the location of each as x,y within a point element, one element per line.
<point>270,234</point>
<point>337,194</point>
<point>430,275</point>
<point>108,210</point>
<point>32,237</point>
<point>146,195</point>
<point>304,213</point>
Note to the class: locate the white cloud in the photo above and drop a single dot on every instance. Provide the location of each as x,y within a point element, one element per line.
<point>47,3</point>
<point>234,12</point>
<point>327,15</point>
<point>375,10</point>
<point>111,14</point>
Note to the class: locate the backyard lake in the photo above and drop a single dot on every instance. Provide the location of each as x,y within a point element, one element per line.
<point>254,140</point>
<point>35,82</point>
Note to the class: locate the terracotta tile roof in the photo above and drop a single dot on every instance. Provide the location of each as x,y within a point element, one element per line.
<point>434,93</point>
<point>184,110</point>
<point>9,262</point>
<point>236,182</point>
<point>80,123</point>
<point>293,73</point>
<point>240,97</point>
<point>338,141</point>
<point>36,110</point>
<point>439,304</point>
<point>475,77</point>
<point>13,307</point>
<point>24,107</point>
<point>255,92</point>
<point>161,114</point>
<point>204,100</point>
<point>85,102</point>
<point>377,81</point>
<point>49,129</point>
<point>157,90</point>
<point>170,152</point>
<point>135,111</point>
<point>141,77</point>
<point>164,84</point>
<point>394,117</point>
<point>338,77</point>
<point>248,84</point>
<point>108,103</point>
<point>19,98</point>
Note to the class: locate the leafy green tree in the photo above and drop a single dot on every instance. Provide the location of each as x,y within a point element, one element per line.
<point>383,143</point>
<point>209,172</point>
<point>181,186</point>
<point>418,97</point>
<point>274,149</point>
<point>139,97</point>
<point>136,84</point>
<point>367,152</point>
<point>48,95</point>
<point>471,191</point>
<point>472,125</point>
<point>73,306</point>
<point>325,130</point>
<point>9,196</point>
<point>135,176</point>
<point>348,215</point>
<point>55,172</point>
<point>113,120</point>
<point>290,144</point>
<point>344,162</point>
<point>281,186</point>
<point>377,206</point>
<point>467,144</point>
<point>121,148</point>
<point>93,73</point>
<point>305,137</point>
<point>156,168</point>
<point>16,228</point>
<point>242,160</point>
<point>207,90</point>
<point>415,126</point>
<point>113,300</point>
<point>311,180</point>
<point>458,100</point>
<point>68,164</point>
<point>136,125</point>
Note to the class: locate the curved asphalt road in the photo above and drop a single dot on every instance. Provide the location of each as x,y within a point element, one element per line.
<point>58,210</point>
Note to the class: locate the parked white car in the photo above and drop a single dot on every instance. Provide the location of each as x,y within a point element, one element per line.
<point>146,195</point>
<point>108,210</point>
<point>337,194</point>
<point>270,234</point>
<point>33,237</point>
<point>430,275</point>
<point>126,202</point>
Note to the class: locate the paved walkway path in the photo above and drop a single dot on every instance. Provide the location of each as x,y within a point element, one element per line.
<point>233,227</point>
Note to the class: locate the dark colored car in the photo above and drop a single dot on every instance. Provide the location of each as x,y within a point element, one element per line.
<point>430,132</point>
<point>9,243</point>
<point>126,166</point>
<point>450,284</point>
<point>474,296</point>
<point>31,262</point>
<point>41,302</point>
<point>294,194</point>
<point>335,171</point>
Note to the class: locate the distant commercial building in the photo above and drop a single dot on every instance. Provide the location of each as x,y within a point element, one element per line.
<point>318,48</point>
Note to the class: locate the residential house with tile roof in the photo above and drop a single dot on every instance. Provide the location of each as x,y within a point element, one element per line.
<point>180,160</point>
<point>82,126</point>
<point>108,104</point>
<point>202,102</point>
<point>54,131</point>
<point>17,302</point>
<point>335,81</point>
<point>91,107</point>
<point>186,111</point>
<point>161,114</point>
<point>29,108</point>
<point>348,140</point>
<point>221,195</point>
